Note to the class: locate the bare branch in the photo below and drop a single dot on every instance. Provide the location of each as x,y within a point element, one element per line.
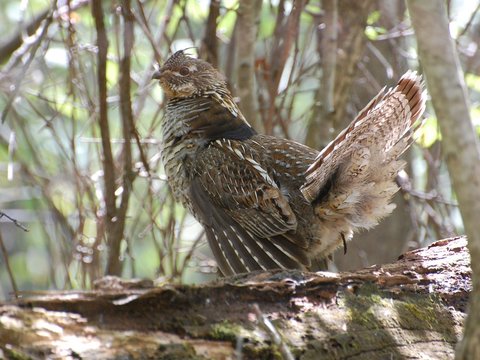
<point>107,158</point>
<point>322,117</point>
<point>329,59</point>
<point>351,45</point>
<point>469,23</point>
<point>247,27</point>
<point>285,35</point>
<point>114,266</point>
<point>3,249</point>
<point>30,47</point>
<point>210,42</point>
<point>15,221</point>
<point>8,46</point>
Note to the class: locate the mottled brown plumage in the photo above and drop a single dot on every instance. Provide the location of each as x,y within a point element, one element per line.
<point>267,202</point>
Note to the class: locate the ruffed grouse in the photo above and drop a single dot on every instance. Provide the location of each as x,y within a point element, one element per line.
<point>267,202</point>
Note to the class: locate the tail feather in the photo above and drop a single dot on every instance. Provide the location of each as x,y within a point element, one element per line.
<point>389,118</point>
<point>351,181</point>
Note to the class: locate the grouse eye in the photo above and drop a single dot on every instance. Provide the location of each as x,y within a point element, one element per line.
<point>184,71</point>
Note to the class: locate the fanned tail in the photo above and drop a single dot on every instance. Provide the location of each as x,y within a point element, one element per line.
<point>351,181</point>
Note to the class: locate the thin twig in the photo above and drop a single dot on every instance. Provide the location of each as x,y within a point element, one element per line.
<point>12,43</point>
<point>33,47</point>
<point>2,214</point>
<point>381,58</point>
<point>272,331</point>
<point>469,23</point>
<point>285,35</point>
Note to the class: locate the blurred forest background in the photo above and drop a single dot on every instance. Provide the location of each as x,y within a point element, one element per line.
<point>79,156</point>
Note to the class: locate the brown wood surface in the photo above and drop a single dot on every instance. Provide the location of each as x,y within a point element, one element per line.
<point>413,308</point>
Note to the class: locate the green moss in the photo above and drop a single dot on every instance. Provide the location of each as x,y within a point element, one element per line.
<point>225,331</point>
<point>253,348</point>
<point>361,309</point>
<point>367,309</point>
<point>413,313</point>
<point>15,354</point>
<point>177,352</point>
<point>259,352</point>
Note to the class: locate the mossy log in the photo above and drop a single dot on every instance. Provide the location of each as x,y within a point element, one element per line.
<point>413,308</point>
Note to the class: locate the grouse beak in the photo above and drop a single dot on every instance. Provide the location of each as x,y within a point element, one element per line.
<point>157,75</point>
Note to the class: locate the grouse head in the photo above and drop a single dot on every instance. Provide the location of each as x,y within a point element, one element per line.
<point>182,76</point>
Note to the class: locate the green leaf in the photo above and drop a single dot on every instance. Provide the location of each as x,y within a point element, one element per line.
<point>429,133</point>
<point>475,116</point>
<point>373,17</point>
<point>372,32</point>
<point>112,72</point>
<point>227,23</point>
<point>473,82</point>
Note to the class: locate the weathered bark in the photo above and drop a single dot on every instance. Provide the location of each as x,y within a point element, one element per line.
<point>459,140</point>
<point>413,308</point>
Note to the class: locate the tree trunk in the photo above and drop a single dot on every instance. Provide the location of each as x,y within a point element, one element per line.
<point>247,28</point>
<point>413,308</point>
<point>459,140</point>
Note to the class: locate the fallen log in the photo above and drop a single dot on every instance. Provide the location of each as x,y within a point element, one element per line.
<point>413,308</point>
